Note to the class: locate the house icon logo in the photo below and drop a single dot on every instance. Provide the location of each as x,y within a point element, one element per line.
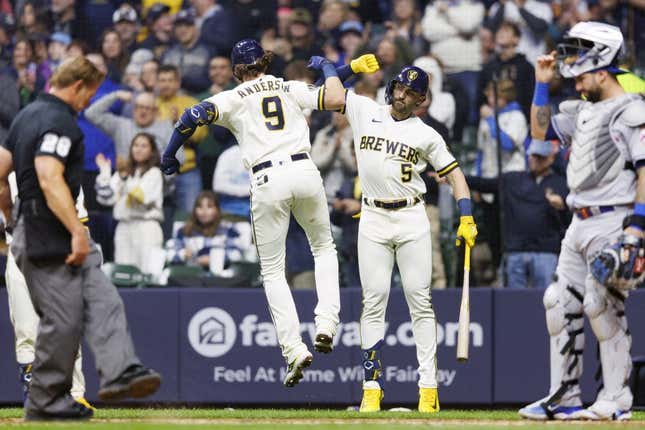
<point>212,332</point>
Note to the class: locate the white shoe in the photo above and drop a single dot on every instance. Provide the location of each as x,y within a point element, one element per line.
<point>539,412</point>
<point>605,410</point>
<point>294,371</point>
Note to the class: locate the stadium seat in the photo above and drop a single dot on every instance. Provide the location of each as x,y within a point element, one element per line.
<point>124,275</point>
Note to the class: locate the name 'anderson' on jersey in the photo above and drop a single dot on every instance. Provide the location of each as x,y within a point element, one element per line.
<point>265,115</point>
<point>392,154</point>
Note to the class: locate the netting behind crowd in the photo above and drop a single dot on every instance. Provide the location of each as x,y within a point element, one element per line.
<point>194,228</point>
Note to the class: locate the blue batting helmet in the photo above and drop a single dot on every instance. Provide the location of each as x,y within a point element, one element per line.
<point>410,76</point>
<point>246,51</point>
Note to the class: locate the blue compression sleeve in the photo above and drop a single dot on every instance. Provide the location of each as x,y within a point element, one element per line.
<point>184,128</point>
<point>344,73</point>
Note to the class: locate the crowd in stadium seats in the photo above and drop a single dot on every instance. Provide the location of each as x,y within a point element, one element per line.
<point>162,56</point>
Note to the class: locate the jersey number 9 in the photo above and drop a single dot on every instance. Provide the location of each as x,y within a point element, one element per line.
<point>406,172</point>
<point>272,110</point>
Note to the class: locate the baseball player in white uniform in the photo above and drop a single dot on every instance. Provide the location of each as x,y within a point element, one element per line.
<point>24,317</point>
<point>393,148</point>
<point>265,114</point>
<point>601,257</point>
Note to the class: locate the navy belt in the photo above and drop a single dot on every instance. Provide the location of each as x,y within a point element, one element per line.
<point>589,211</point>
<point>391,204</point>
<point>267,164</point>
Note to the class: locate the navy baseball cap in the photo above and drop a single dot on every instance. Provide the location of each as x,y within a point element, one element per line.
<point>185,16</point>
<point>543,148</point>
<point>124,13</point>
<point>156,11</point>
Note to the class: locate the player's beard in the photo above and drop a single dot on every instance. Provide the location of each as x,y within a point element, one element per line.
<point>594,95</point>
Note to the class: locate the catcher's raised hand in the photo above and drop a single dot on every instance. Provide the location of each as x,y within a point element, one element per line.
<point>545,67</point>
<point>467,231</point>
<point>365,64</point>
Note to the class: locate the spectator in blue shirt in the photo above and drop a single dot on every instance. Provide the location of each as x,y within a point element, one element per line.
<point>535,217</point>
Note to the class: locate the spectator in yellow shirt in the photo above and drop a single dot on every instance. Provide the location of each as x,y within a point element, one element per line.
<point>171,103</point>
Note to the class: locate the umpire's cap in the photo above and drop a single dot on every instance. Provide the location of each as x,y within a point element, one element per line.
<point>246,51</point>
<point>410,76</point>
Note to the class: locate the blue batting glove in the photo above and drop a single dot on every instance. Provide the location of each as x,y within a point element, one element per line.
<point>169,165</point>
<point>316,62</point>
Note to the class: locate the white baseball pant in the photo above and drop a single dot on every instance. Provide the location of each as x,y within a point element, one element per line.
<point>276,192</point>
<point>25,324</point>
<point>401,235</point>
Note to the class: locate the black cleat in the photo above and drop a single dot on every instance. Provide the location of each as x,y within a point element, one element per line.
<point>294,372</point>
<point>137,381</point>
<point>76,412</point>
<point>324,343</point>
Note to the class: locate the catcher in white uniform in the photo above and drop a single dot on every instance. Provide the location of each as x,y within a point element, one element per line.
<point>393,148</point>
<point>25,320</point>
<point>602,252</point>
<point>266,116</point>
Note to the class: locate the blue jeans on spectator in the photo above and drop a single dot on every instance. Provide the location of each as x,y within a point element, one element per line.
<point>188,186</point>
<point>535,269</point>
<point>469,82</point>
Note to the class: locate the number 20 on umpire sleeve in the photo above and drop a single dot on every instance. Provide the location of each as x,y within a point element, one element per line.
<point>272,110</point>
<point>406,172</point>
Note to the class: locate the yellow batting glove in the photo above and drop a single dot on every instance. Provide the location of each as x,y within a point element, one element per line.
<point>467,231</point>
<point>364,64</point>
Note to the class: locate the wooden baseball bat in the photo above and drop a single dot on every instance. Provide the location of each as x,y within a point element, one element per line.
<point>463,331</point>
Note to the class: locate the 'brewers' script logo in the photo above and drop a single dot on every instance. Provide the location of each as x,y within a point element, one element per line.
<point>412,75</point>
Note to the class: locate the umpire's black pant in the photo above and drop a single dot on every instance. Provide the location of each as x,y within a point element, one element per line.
<point>72,302</point>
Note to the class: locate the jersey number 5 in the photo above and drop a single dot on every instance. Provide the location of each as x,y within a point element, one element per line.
<point>272,110</point>
<point>406,172</point>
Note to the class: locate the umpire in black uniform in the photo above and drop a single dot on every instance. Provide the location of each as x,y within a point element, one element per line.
<point>57,256</point>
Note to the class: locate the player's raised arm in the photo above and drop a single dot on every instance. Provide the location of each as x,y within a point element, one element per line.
<point>202,113</point>
<point>540,108</point>
<point>334,92</point>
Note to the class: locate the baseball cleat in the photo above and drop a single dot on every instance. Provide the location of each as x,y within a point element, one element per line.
<point>83,401</point>
<point>428,400</point>
<point>137,381</point>
<point>371,400</point>
<point>294,372</point>
<point>605,410</point>
<point>539,411</point>
<point>324,342</point>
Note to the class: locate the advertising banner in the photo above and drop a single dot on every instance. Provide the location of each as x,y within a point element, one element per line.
<point>219,346</point>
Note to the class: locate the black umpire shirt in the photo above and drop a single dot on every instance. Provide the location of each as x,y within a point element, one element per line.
<point>45,127</point>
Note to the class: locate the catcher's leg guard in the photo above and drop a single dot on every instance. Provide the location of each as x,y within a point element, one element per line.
<point>605,308</point>
<point>372,366</point>
<point>564,317</point>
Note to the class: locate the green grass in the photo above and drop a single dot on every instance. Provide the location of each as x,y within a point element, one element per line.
<point>293,419</point>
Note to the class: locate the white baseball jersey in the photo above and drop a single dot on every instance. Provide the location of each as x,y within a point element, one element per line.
<point>392,154</point>
<point>266,117</point>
